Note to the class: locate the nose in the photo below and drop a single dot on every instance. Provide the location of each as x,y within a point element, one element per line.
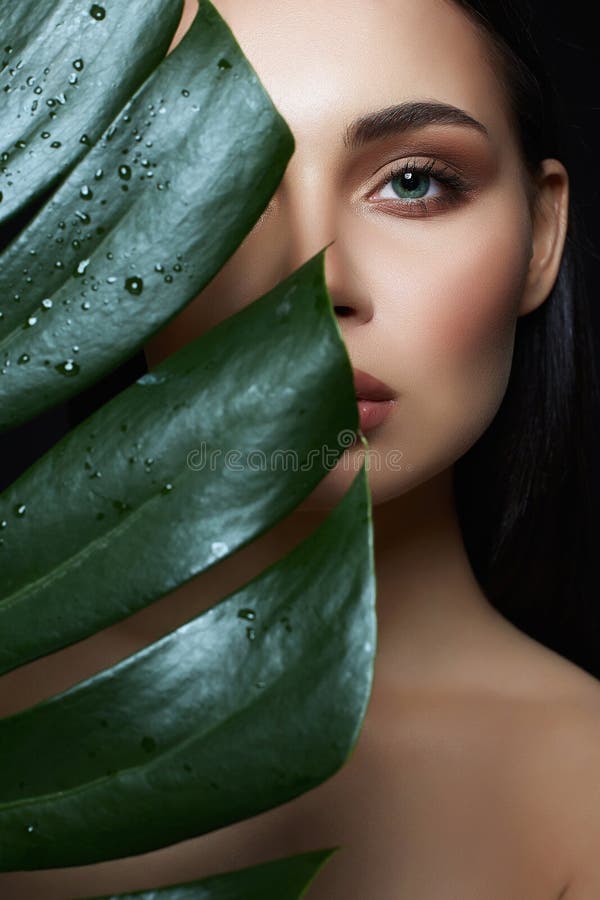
<point>311,217</point>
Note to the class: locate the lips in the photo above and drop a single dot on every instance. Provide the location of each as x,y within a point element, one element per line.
<point>367,387</point>
<point>375,399</point>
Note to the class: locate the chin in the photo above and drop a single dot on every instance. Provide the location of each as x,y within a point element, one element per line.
<point>384,484</point>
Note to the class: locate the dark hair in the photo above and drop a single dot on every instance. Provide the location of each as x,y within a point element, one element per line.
<point>523,491</point>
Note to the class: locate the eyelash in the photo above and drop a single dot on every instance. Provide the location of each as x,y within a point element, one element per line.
<point>456,187</point>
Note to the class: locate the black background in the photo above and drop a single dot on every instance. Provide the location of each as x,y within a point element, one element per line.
<point>570,46</point>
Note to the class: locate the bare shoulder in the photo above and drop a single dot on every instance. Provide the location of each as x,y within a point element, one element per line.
<point>562,763</point>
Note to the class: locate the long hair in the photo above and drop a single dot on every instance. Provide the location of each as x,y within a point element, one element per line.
<point>525,491</point>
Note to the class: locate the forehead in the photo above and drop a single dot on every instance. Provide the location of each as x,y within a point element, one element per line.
<point>342,58</point>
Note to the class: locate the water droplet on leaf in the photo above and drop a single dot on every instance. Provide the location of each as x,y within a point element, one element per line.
<point>246,614</point>
<point>68,367</point>
<point>134,285</point>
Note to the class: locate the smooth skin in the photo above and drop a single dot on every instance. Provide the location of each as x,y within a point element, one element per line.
<point>475,775</point>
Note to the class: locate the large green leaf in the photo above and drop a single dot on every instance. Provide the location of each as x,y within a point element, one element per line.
<point>281,879</point>
<point>65,72</point>
<point>198,153</point>
<point>261,697</point>
<point>253,702</point>
<point>257,394</point>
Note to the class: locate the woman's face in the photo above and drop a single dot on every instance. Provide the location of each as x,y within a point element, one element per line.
<point>426,274</point>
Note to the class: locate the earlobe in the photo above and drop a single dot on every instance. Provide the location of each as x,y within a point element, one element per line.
<point>550,218</point>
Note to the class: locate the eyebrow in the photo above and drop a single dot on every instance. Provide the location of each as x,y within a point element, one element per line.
<point>404,117</point>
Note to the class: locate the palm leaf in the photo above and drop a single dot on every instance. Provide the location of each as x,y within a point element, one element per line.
<point>228,715</point>
<point>261,697</point>
<point>97,269</point>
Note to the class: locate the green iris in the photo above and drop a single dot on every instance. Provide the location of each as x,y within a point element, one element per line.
<point>411,184</point>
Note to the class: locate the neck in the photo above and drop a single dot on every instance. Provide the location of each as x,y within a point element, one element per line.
<point>429,602</point>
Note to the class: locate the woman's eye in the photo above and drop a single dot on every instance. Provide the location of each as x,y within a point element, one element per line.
<point>411,184</point>
<point>422,188</point>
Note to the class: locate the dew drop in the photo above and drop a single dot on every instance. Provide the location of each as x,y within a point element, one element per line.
<point>250,633</point>
<point>56,144</point>
<point>19,509</point>
<point>246,614</point>
<point>78,64</point>
<point>224,64</point>
<point>68,367</point>
<point>31,320</point>
<point>47,303</point>
<point>150,378</point>
<point>166,488</point>
<point>218,548</point>
<point>86,192</point>
<point>86,304</point>
<point>82,266</point>
<point>24,358</point>
<point>97,12</point>
<point>134,285</point>
<point>72,78</point>
<point>124,172</point>
<point>45,134</point>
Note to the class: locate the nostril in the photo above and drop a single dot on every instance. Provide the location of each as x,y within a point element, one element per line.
<point>343,310</point>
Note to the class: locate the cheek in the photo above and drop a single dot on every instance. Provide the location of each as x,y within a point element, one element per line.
<point>449,293</point>
<point>475,294</point>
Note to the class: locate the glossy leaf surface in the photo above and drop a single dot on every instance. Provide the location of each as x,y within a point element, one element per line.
<point>196,458</point>
<point>253,702</point>
<point>102,270</point>
<point>66,69</point>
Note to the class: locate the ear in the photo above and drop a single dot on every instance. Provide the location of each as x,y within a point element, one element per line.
<point>550,213</point>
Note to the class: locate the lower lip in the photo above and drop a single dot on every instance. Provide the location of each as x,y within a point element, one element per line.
<point>373,412</point>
